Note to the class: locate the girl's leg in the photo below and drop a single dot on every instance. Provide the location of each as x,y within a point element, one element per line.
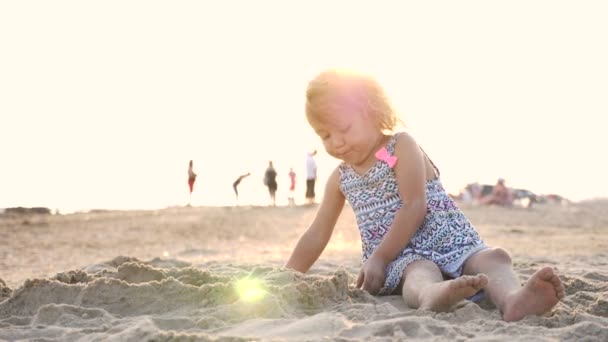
<point>539,295</point>
<point>424,287</point>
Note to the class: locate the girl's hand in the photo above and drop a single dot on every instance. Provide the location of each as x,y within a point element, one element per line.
<point>371,276</point>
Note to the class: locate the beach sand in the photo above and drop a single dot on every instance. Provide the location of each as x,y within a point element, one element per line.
<point>214,274</point>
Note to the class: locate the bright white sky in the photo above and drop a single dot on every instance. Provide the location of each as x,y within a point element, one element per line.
<point>102,104</point>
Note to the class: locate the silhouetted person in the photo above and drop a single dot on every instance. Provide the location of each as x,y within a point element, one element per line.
<point>270,180</point>
<point>236,184</point>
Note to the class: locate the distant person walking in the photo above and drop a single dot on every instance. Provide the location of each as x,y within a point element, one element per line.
<point>311,176</point>
<point>236,184</point>
<point>270,180</point>
<point>191,179</point>
<point>292,187</point>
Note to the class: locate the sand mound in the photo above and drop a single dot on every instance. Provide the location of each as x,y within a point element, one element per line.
<point>125,291</point>
<point>171,300</point>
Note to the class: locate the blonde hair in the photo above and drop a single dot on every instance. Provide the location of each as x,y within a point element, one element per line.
<point>336,89</point>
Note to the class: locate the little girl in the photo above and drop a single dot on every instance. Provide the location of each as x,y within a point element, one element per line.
<point>416,241</point>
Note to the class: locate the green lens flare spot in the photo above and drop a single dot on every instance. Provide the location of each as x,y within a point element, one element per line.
<point>250,289</point>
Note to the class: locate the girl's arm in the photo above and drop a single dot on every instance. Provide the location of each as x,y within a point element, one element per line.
<point>410,172</point>
<point>313,241</point>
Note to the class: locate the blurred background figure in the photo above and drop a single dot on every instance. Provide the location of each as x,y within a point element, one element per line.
<point>292,188</point>
<point>465,196</point>
<point>236,184</point>
<point>500,195</point>
<point>475,190</point>
<point>471,194</point>
<point>191,179</point>
<point>270,180</point>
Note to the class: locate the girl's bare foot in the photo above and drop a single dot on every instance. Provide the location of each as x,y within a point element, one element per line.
<point>443,295</point>
<point>539,295</point>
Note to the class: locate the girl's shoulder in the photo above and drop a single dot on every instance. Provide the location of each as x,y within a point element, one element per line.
<point>400,139</point>
<point>335,178</point>
<point>402,135</point>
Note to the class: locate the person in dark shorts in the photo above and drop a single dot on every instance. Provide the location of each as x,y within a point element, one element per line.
<point>311,177</point>
<point>270,180</point>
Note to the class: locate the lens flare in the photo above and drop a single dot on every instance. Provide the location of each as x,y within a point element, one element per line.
<point>250,289</point>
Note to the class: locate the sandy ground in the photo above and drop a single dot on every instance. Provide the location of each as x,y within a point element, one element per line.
<point>176,275</point>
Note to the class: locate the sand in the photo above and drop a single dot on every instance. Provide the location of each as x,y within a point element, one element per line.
<point>177,275</point>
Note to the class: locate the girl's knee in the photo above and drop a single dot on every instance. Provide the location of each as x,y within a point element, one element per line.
<point>498,254</point>
<point>420,270</point>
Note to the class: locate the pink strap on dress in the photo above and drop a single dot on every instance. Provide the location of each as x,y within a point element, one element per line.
<point>383,155</point>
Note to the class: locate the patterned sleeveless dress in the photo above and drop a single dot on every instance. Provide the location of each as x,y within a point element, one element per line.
<point>446,237</point>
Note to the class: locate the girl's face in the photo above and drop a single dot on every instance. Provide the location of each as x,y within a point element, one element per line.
<point>350,136</point>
